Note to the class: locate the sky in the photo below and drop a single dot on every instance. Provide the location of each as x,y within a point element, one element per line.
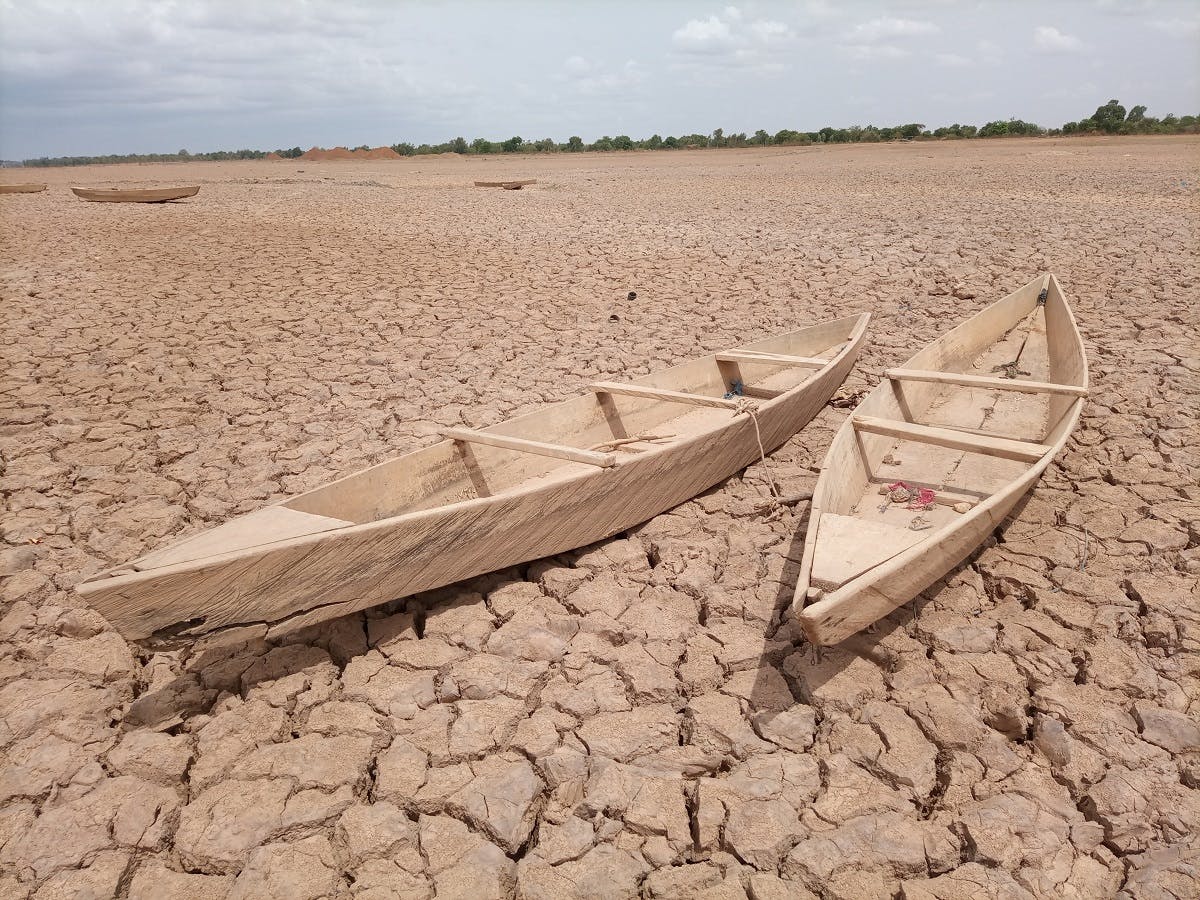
<point>90,77</point>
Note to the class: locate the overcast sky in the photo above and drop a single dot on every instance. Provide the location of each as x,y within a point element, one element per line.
<point>82,77</point>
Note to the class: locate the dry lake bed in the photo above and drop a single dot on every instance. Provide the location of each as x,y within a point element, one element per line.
<point>641,717</point>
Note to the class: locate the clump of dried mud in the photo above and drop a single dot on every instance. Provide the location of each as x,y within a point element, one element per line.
<point>638,717</point>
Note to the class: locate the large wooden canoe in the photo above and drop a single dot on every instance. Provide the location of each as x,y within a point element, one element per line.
<point>482,500</point>
<point>22,188</point>
<point>146,195</point>
<point>974,418</point>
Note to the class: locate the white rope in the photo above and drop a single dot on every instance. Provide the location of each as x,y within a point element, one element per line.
<point>748,406</point>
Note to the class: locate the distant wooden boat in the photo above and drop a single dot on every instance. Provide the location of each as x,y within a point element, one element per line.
<point>507,185</point>
<point>21,188</point>
<point>973,420</point>
<point>561,477</point>
<point>148,195</point>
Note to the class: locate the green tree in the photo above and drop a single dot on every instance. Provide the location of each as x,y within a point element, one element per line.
<point>1137,114</point>
<point>1109,116</point>
<point>459,145</point>
<point>654,142</point>
<point>622,142</point>
<point>605,143</point>
<point>718,138</point>
<point>404,148</point>
<point>482,145</point>
<point>574,143</point>
<point>912,130</point>
<point>512,145</point>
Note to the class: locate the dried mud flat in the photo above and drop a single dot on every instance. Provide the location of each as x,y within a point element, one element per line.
<point>640,717</point>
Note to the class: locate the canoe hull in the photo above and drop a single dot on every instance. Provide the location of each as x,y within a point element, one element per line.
<point>841,612</point>
<point>21,188</point>
<point>152,195</point>
<point>298,582</point>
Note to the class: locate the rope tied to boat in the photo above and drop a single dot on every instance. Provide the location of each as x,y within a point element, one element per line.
<point>623,443</point>
<point>750,408</point>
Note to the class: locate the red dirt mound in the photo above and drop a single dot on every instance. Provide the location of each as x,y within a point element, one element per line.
<point>272,156</point>
<point>377,153</point>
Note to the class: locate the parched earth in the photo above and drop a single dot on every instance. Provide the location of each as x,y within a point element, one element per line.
<point>640,717</point>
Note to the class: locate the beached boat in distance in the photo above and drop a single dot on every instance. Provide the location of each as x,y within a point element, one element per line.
<point>21,188</point>
<point>138,195</point>
<point>507,185</point>
<point>558,478</point>
<point>936,456</point>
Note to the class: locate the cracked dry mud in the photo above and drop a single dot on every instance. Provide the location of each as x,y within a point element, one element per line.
<point>640,716</point>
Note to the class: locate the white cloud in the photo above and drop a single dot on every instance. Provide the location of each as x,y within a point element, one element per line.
<point>873,52</point>
<point>709,35</point>
<point>873,41</point>
<point>952,60</point>
<point>1049,38</point>
<point>1178,27</point>
<point>577,65</point>
<point>594,79</point>
<point>767,31</point>
<point>887,28</point>
<point>732,39</point>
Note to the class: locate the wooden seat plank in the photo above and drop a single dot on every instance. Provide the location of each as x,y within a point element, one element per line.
<point>983,381</point>
<point>955,440</point>
<point>522,445</point>
<point>650,393</point>
<point>772,359</point>
<point>847,546</point>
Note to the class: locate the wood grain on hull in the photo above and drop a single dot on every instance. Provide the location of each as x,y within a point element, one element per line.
<point>1018,328</point>
<point>299,581</point>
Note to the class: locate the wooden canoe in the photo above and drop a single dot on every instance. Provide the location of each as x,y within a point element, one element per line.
<point>975,417</point>
<point>481,500</point>
<point>21,188</point>
<point>147,195</point>
<point>507,185</point>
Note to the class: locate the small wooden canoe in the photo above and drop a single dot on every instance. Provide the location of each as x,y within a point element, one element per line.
<point>936,456</point>
<point>507,185</point>
<point>21,188</point>
<point>558,478</point>
<point>147,195</point>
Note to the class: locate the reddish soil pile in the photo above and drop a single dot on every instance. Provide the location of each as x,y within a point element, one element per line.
<point>377,153</point>
<point>314,153</point>
<point>272,156</point>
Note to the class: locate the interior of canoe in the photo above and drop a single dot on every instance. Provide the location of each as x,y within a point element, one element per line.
<point>456,470</point>
<point>964,438</point>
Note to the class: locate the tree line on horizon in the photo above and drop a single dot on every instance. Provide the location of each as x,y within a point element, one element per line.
<point>1111,118</point>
